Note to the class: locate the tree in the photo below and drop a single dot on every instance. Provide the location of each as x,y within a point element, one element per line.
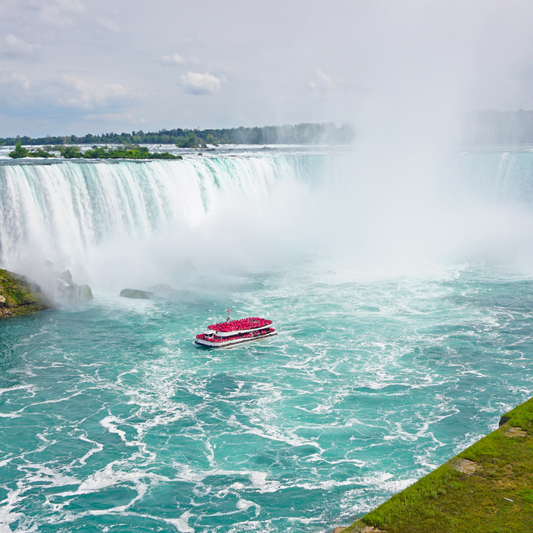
<point>190,141</point>
<point>19,152</point>
<point>71,152</point>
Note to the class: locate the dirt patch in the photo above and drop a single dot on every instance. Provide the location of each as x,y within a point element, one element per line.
<point>515,432</point>
<point>358,527</point>
<point>465,466</point>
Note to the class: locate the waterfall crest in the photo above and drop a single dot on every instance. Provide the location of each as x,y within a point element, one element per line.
<point>66,209</point>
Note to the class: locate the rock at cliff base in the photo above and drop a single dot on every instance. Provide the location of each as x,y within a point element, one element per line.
<point>136,294</point>
<point>75,294</point>
<point>66,276</point>
<point>19,295</point>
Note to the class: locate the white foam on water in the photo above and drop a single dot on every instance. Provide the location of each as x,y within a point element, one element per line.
<point>98,447</point>
<point>110,476</point>
<point>109,423</point>
<point>319,459</point>
<point>7,516</point>
<point>38,474</point>
<point>182,523</point>
<point>325,485</point>
<point>275,433</point>
<point>15,388</point>
<point>264,526</point>
<point>55,400</point>
<point>259,481</point>
<point>244,505</point>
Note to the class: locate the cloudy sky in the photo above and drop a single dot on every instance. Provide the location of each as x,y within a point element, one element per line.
<point>80,66</point>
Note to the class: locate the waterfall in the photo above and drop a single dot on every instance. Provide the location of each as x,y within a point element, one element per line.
<point>231,210</point>
<point>501,176</point>
<point>66,211</point>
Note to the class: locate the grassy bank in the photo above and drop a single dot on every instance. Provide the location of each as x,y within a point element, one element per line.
<point>487,488</point>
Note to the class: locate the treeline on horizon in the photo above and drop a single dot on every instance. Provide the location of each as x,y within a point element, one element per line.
<point>326,133</point>
<point>498,127</point>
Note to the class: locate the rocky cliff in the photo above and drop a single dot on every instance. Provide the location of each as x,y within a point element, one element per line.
<point>19,295</point>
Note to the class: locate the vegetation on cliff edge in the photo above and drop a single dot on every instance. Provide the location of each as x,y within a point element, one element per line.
<point>19,296</point>
<point>96,152</point>
<point>104,152</point>
<point>20,151</point>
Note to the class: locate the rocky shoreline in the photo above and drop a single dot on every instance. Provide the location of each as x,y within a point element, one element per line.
<point>20,296</point>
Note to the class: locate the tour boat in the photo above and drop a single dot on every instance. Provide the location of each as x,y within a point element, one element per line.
<point>233,332</point>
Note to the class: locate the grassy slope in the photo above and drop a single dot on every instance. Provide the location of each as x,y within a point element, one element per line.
<point>19,296</point>
<point>449,501</point>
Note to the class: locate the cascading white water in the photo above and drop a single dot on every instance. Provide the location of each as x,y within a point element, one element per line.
<point>65,211</point>
<point>147,217</point>
<point>499,175</point>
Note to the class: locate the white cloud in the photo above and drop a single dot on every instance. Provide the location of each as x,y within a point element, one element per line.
<point>326,81</point>
<point>15,92</point>
<point>174,59</point>
<point>13,81</point>
<point>119,118</point>
<point>73,91</point>
<point>62,94</point>
<point>197,83</point>
<point>56,12</point>
<point>75,6</point>
<point>17,48</point>
<point>108,24</point>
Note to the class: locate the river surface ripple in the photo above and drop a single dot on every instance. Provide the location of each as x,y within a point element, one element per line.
<point>111,420</point>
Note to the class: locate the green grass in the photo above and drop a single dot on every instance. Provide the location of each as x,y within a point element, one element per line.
<point>448,501</point>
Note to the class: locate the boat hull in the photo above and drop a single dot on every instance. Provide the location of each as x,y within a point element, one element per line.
<point>230,343</point>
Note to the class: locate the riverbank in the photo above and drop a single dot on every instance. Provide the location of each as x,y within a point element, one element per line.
<point>486,488</point>
<point>19,296</point>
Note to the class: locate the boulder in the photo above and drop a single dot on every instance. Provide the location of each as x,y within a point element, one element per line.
<point>67,293</point>
<point>66,276</point>
<point>84,292</point>
<point>136,294</point>
<point>503,420</point>
<point>74,294</point>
